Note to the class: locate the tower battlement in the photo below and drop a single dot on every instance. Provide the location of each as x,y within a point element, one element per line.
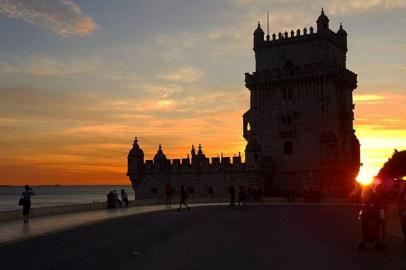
<point>301,47</point>
<point>198,162</point>
<point>301,71</point>
<point>285,38</point>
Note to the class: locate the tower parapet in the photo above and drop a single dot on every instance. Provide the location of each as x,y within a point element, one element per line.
<point>305,46</point>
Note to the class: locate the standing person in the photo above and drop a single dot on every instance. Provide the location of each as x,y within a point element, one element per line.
<point>168,193</point>
<point>370,221</point>
<point>232,196</point>
<point>382,206</point>
<point>111,200</point>
<point>183,197</point>
<point>124,197</point>
<point>402,210</point>
<point>116,200</point>
<point>26,201</point>
<point>242,196</point>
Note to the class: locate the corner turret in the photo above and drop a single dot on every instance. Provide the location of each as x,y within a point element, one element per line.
<point>258,36</point>
<point>342,36</point>
<point>322,23</point>
<point>135,163</point>
<point>135,158</point>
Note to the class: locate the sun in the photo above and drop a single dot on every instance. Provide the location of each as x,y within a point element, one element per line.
<point>366,175</point>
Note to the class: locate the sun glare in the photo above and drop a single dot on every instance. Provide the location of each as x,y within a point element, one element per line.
<point>366,176</point>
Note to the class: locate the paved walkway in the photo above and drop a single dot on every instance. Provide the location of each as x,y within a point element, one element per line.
<point>15,230</point>
<point>270,236</point>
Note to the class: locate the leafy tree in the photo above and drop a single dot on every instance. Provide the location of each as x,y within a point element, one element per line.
<point>395,167</point>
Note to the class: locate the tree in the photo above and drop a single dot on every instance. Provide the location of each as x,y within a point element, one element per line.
<point>395,167</point>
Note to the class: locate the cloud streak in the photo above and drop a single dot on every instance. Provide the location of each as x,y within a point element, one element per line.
<point>63,17</point>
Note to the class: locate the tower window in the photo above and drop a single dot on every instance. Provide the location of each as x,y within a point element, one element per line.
<point>288,147</point>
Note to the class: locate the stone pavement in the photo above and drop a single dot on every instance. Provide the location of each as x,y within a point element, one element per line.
<point>262,236</point>
<point>12,231</point>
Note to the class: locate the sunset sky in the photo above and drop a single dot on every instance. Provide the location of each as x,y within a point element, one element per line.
<point>80,79</point>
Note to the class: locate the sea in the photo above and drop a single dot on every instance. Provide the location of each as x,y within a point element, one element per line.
<point>57,195</point>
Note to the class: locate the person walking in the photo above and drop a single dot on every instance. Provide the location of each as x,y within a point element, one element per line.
<point>183,197</point>
<point>168,194</point>
<point>402,210</point>
<point>26,202</point>
<point>124,197</point>
<point>232,196</point>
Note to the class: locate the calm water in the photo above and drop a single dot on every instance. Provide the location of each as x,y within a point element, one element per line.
<point>58,195</point>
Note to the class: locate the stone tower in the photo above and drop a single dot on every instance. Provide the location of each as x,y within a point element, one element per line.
<point>135,163</point>
<point>301,110</point>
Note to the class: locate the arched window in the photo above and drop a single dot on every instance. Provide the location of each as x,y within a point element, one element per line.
<point>288,147</point>
<point>248,128</point>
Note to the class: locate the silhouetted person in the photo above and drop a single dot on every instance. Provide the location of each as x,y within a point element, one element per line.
<point>168,194</point>
<point>232,196</point>
<point>111,202</point>
<point>116,199</point>
<point>124,197</point>
<point>370,223</point>
<point>26,202</point>
<point>382,205</point>
<point>242,197</point>
<point>402,210</point>
<point>183,197</point>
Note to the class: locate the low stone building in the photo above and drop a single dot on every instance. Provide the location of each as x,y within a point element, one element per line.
<point>299,128</point>
<point>201,176</point>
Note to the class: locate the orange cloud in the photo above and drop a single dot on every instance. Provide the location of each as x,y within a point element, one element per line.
<point>62,17</point>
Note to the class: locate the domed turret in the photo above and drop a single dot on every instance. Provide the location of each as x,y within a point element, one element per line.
<point>161,163</point>
<point>159,154</point>
<point>200,151</point>
<point>342,35</point>
<point>341,31</point>
<point>136,150</point>
<point>135,163</point>
<point>322,22</point>
<point>193,151</point>
<point>258,36</point>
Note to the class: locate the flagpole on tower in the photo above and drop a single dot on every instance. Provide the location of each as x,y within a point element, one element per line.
<point>267,26</point>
